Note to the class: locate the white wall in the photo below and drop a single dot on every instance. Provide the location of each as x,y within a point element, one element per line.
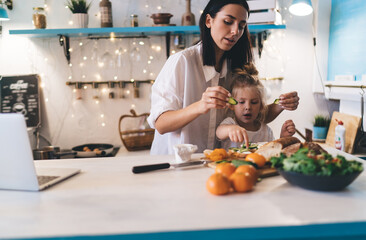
<point>68,122</point>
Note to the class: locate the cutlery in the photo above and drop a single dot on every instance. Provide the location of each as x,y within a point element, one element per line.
<point>153,167</point>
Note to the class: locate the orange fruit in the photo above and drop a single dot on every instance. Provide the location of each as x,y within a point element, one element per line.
<point>241,182</point>
<point>225,169</point>
<point>217,154</point>
<point>218,184</point>
<point>248,169</point>
<point>256,158</point>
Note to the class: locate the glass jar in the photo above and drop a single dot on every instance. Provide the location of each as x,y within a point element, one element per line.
<point>134,20</point>
<point>39,18</point>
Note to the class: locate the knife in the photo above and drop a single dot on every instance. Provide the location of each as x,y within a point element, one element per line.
<point>153,167</point>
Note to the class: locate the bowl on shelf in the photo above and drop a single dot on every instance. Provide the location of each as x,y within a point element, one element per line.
<point>161,18</point>
<point>319,183</point>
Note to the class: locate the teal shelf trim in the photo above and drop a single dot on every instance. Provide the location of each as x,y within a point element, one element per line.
<point>125,31</point>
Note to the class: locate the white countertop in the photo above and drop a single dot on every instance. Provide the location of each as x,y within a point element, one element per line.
<point>107,198</point>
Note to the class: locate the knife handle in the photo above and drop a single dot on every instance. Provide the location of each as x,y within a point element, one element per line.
<point>148,168</point>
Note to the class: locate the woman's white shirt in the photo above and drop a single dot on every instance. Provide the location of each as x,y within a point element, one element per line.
<point>181,82</point>
<point>264,134</point>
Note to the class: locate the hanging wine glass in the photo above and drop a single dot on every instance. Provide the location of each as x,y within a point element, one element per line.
<point>94,53</point>
<point>135,55</point>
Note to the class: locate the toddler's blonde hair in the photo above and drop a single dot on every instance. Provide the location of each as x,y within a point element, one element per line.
<point>248,77</point>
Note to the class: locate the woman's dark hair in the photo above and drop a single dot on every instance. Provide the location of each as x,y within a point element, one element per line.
<point>241,53</point>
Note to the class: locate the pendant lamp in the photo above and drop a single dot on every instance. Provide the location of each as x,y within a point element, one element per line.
<point>301,7</point>
<point>3,14</point>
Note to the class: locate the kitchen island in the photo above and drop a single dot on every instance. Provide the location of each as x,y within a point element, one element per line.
<point>107,200</point>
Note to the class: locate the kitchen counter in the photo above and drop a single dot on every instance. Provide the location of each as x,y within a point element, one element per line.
<point>106,198</point>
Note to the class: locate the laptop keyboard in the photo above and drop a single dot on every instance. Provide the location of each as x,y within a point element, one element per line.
<point>45,179</point>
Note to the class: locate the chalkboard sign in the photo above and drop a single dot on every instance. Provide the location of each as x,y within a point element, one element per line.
<point>20,94</point>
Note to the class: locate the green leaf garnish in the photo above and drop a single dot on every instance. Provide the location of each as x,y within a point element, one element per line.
<point>276,101</point>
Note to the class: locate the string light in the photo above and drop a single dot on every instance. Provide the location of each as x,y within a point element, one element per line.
<point>70,77</point>
<point>71,22</point>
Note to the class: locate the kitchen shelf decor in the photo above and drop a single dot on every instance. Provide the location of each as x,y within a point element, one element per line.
<point>66,33</point>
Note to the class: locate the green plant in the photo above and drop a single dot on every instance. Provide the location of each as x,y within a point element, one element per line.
<point>78,6</point>
<point>321,121</point>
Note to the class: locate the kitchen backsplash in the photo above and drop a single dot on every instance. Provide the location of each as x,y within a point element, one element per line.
<point>66,121</point>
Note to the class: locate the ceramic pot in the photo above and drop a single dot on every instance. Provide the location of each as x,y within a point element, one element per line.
<point>80,20</point>
<point>161,18</point>
<point>320,132</point>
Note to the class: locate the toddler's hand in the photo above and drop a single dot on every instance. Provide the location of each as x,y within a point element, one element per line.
<point>238,134</point>
<point>288,129</point>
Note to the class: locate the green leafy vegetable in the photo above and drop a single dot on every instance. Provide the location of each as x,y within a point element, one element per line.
<point>307,162</point>
<point>238,163</point>
<point>243,148</point>
<point>276,101</point>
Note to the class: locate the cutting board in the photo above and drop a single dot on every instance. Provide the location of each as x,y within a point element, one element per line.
<point>351,123</point>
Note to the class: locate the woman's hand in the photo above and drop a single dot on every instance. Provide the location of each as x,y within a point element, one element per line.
<point>213,97</point>
<point>288,129</point>
<point>238,134</point>
<point>289,101</point>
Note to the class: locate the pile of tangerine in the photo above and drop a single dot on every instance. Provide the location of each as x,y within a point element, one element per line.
<point>240,179</point>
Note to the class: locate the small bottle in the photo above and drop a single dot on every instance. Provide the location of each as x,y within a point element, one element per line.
<point>340,135</point>
<point>106,19</point>
<point>134,20</point>
<point>39,18</point>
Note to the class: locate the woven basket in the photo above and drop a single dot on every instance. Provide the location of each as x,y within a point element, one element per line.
<point>135,140</point>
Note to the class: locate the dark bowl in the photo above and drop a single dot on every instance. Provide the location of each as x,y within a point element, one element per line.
<point>319,183</point>
<point>161,18</point>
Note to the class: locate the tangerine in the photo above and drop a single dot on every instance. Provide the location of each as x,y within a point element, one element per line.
<point>248,169</point>
<point>225,169</point>
<point>218,154</point>
<point>218,184</point>
<point>256,158</point>
<point>241,182</point>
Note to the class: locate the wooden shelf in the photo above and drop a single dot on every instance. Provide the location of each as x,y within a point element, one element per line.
<point>125,31</point>
<point>65,33</point>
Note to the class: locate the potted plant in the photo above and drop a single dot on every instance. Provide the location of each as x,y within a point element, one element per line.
<point>320,126</point>
<point>79,9</point>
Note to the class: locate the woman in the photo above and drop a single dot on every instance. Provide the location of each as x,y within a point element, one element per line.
<point>191,91</point>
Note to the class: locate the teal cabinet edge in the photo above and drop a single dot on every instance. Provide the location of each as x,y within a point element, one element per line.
<point>149,31</point>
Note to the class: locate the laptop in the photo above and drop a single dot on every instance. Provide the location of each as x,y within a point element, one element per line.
<point>17,169</point>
